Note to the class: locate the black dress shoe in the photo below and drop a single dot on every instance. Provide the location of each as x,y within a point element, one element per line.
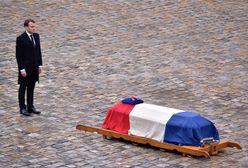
<point>23,111</point>
<point>33,110</point>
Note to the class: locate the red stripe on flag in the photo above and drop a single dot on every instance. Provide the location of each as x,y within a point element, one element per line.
<point>117,118</point>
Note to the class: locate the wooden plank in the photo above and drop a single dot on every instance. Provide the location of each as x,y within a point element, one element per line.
<point>205,151</point>
<point>215,147</point>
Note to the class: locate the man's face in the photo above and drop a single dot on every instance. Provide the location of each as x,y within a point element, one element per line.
<point>31,28</point>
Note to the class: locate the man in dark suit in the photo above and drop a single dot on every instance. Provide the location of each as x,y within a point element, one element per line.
<point>29,60</point>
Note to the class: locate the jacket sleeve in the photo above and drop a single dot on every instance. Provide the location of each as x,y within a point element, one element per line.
<point>19,54</point>
<point>40,55</point>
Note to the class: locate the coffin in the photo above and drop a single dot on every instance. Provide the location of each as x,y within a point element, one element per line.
<point>134,117</point>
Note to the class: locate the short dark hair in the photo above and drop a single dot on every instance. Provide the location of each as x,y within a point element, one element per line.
<point>26,22</point>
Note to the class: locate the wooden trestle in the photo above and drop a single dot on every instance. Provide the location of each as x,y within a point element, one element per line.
<point>206,151</point>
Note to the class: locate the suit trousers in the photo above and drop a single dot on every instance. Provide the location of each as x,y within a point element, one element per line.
<point>30,94</point>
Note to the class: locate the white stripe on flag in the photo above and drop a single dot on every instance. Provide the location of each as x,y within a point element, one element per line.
<point>148,120</point>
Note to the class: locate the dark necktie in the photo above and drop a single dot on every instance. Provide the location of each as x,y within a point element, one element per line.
<point>32,39</point>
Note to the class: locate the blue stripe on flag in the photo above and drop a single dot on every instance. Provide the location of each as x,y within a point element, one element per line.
<point>187,128</point>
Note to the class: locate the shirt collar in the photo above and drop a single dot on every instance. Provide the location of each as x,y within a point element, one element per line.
<point>28,33</point>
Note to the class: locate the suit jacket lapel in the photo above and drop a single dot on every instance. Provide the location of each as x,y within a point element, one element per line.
<point>27,39</point>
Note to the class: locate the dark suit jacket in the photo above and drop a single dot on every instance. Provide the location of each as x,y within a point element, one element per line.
<point>28,57</point>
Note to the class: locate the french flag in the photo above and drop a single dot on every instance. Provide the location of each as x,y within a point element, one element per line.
<point>134,117</point>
